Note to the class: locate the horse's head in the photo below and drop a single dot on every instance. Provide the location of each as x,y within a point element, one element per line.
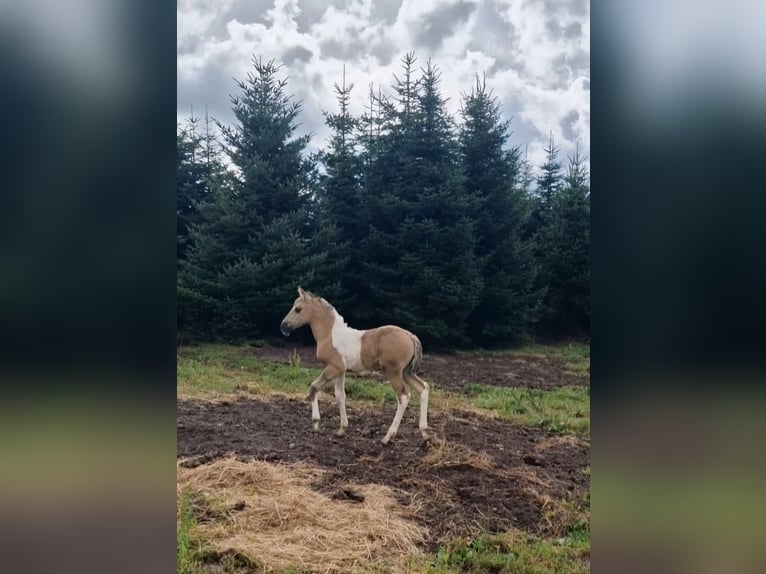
<point>301,313</point>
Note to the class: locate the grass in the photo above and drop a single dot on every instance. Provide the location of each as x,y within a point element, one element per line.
<point>187,548</point>
<point>515,552</point>
<point>212,370</point>
<point>263,514</point>
<point>209,371</point>
<point>563,410</point>
<point>220,369</point>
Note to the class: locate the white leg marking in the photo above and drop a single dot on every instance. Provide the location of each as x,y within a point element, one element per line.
<point>421,387</point>
<point>315,403</point>
<point>403,401</point>
<point>424,412</point>
<point>340,397</point>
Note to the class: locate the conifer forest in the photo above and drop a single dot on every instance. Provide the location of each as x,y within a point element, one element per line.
<point>408,216</point>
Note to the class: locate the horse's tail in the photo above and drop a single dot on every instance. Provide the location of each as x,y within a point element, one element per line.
<point>417,356</point>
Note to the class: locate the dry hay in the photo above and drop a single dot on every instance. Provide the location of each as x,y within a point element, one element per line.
<point>569,441</point>
<point>444,454</point>
<point>268,514</point>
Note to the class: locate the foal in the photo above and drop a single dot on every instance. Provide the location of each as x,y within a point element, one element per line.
<point>393,350</point>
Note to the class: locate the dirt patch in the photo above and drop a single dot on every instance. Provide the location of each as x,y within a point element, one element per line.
<point>454,372</point>
<point>475,476</point>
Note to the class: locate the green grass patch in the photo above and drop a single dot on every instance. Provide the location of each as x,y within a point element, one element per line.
<point>216,369</point>
<point>367,390</point>
<point>222,369</point>
<point>515,552</point>
<point>562,410</point>
<point>187,548</point>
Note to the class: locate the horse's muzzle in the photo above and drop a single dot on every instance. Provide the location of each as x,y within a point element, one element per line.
<point>285,329</point>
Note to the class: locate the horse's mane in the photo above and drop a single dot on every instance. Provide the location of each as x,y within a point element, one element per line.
<point>321,300</point>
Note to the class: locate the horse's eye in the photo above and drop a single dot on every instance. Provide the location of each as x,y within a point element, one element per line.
<point>297,309</point>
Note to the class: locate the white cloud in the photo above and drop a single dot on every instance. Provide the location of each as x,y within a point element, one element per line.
<point>541,73</point>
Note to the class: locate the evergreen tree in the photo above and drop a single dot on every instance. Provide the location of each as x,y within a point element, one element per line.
<point>190,181</point>
<point>525,175</point>
<point>510,300</point>
<point>563,245</point>
<point>257,240</point>
<point>341,193</point>
<point>199,169</point>
<point>421,267</point>
<point>567,242</point>
<point>549,180</point>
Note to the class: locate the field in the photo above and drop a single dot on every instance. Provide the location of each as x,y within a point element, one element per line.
<point>503,486</point>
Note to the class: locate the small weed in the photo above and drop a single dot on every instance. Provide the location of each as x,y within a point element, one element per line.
<point>295,360</point>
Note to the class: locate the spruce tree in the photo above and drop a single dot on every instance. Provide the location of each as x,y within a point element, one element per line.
<point>421,269</point>
<point>191,185</point>
<point>341,197</point>
<point>549,180</point>
<point>199,172</point>
<point>563,245</point>
<point>567,240</point>
<point>510,299</point>
<point>257,241</point>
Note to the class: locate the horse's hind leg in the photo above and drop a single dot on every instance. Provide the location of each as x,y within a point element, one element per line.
<point>420,387</point>
<point>403,398</point>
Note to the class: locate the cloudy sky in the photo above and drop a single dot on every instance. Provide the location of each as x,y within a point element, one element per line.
<point>535,53</point>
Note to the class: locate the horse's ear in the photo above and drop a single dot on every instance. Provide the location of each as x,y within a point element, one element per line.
<point>301,293</point>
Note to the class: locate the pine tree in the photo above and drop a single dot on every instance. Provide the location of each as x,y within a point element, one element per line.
<point>199,173</point>
<point>199,169</point>
<point>341,190</point>
<point>549,180</point>
<point>547,183</point>
<point>563,243</point>
<point>510,299</point>
<point>525,175</point>
<point>567,240</point>
<point>191,185</point>
<point>421,270</point>
<point>257,240</point>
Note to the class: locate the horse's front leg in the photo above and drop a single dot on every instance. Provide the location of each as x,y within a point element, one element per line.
<point>340,398</point>
<point>328,374</point>
<point>314,398</point>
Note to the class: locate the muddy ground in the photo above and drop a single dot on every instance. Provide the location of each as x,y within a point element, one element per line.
<point>454,372</point>
<point>478,474</point>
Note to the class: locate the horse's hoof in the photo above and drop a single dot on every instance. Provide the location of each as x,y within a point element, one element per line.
<point>385,440</point>
<point>315,426</point>
<point>340,431</point>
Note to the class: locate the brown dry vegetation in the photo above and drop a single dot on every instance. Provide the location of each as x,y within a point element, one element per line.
<point>269,516</point>
<point>265,494</point>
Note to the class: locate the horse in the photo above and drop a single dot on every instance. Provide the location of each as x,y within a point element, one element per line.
<point>392,350</point>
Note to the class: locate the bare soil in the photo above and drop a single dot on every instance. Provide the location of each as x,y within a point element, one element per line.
<point>454,372</point>
<point>477,474</point>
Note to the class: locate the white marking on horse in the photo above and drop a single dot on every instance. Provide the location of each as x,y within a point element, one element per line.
<point>348,342</point>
